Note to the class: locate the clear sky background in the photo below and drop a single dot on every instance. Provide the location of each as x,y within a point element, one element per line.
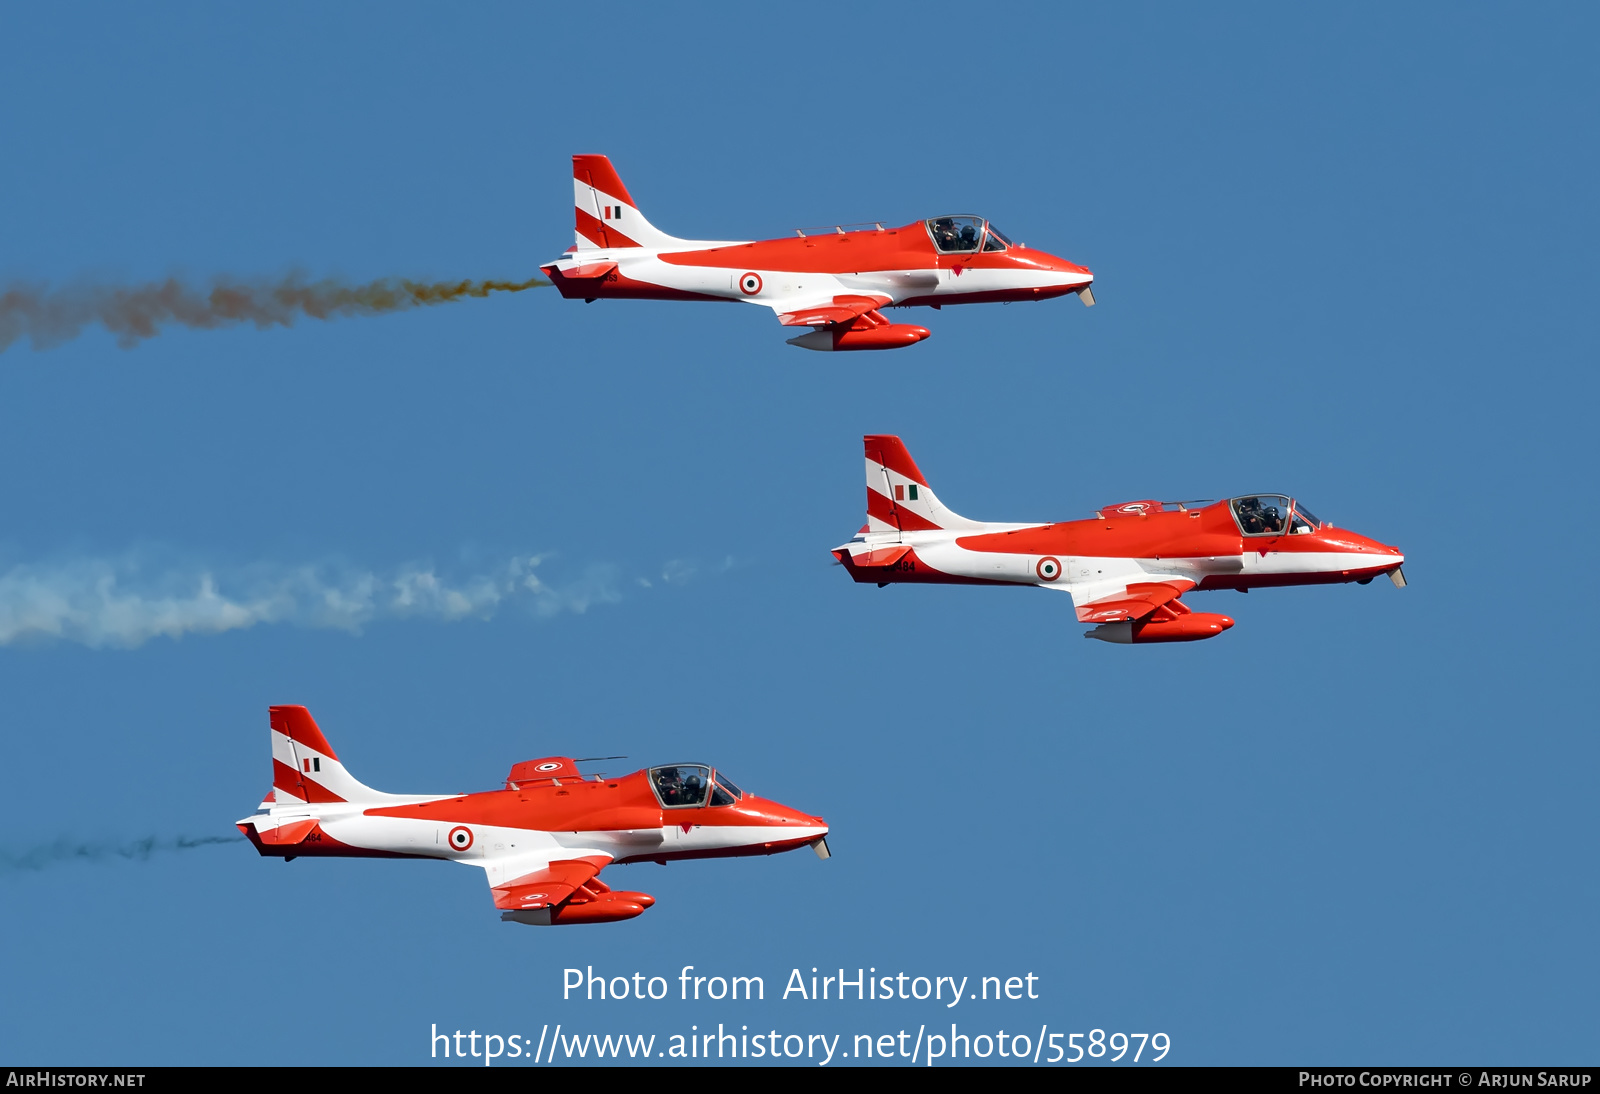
<point>1346,254</point>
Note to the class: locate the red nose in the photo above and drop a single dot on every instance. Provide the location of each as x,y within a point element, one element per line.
<point>776,813</point>
<point>1059,264</point>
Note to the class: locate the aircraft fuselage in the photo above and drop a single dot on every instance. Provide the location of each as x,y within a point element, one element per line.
<point>1204,546</point>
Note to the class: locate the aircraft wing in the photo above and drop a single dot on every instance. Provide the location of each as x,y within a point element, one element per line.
<point>1134,601</point>
<point>827,313</point>
<point>541,880</point>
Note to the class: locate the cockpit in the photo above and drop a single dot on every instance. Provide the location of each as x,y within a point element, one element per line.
<point>965,235</point>
<point>683,786</point>
<point>1272,515</point>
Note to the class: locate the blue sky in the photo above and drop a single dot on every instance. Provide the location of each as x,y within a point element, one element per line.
<point>1344,254</point>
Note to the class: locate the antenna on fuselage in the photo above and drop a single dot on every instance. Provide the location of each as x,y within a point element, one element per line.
<point>595,759</point>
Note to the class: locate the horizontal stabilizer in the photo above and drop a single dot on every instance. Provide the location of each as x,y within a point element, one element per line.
<point>589,271</point>
<point>286,834</point>
<point>886,556</point>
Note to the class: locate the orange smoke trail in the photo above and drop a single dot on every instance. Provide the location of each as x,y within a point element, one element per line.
<point>48,317</point>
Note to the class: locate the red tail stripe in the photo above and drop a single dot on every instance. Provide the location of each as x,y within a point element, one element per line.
<point>890,452</point>
<point>598,172</point>
<point>590,227</point>
<point>899,516</point>
<point>287,778</point>
<point>297,724</point>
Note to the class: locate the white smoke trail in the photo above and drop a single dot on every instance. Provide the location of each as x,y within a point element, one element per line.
<point>125,602</point>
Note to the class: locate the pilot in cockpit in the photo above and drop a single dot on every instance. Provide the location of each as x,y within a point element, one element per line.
<point>681,784</point>
<point>956,233</point>
<point>1251,519</point>
<point>670,783</point>
<point>1258,519</point>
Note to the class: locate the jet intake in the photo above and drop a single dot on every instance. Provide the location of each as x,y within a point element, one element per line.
<point>836,339</point>
<point>1189,627</point>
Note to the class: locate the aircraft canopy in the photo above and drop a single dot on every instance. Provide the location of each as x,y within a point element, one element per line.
<point>1272,515</point>
<point>963,233</point>
<point>691,785</point>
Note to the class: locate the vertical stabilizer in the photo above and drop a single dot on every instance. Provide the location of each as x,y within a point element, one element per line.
<point>606,214</point>
<point>898,495</point>
<point>304,766</point>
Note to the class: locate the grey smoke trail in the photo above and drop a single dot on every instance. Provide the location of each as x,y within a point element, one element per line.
<point>50,316</point>
<point>65,850</point>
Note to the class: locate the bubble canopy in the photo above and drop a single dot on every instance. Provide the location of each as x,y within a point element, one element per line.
<point>964,233</point>
<point>693,786</point>
<point>1272,515</point>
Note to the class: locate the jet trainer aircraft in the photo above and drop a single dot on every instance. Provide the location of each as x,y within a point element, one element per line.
<point>542,840</point>
<point>834,281</point>
<point>1126,569</point>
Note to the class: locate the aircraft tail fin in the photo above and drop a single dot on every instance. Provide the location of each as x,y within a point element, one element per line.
<point>605,212</point>
<point>304,766</point>
<point>898,495</point>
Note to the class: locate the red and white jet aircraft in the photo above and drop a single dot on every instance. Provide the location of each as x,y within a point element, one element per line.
<point>836,282</point>
<point>1126,569</point>
<point>542,840</point>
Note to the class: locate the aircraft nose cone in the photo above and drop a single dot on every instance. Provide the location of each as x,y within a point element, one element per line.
<point>773,812</point>
<point>1224,621</point>
<point>1061,265</point>
<point>1342,539</point>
